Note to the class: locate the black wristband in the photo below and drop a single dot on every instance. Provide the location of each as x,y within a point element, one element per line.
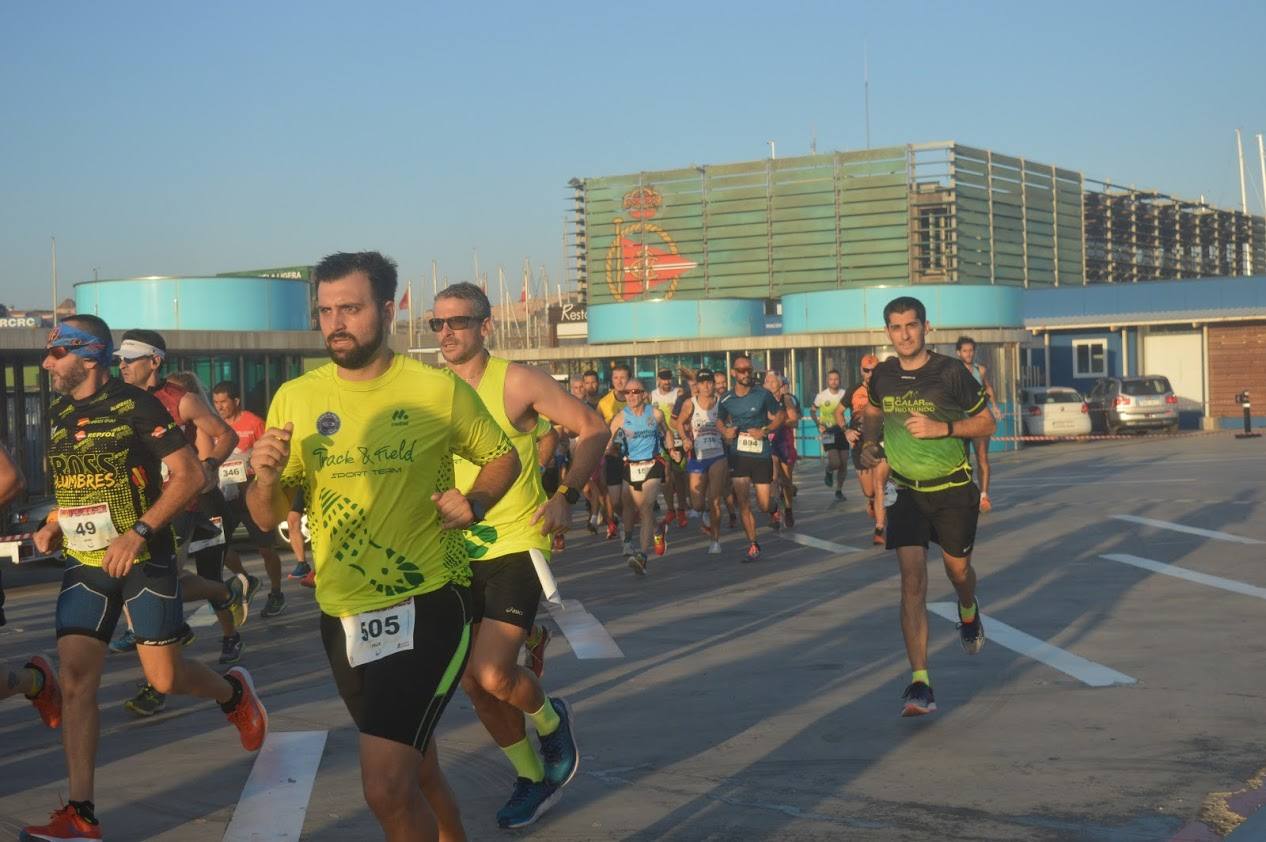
<point>950,431</point>
<point>212,463</point>
<point>143,529</point>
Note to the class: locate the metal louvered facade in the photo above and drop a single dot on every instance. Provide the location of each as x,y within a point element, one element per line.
<point>923,214</point>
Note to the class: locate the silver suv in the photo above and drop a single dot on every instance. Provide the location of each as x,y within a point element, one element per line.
<point>1133,403</point>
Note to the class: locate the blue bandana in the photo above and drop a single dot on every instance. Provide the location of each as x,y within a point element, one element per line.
<point>80,343</point>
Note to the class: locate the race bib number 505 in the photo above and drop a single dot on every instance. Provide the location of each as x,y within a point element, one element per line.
<point>373,635</point>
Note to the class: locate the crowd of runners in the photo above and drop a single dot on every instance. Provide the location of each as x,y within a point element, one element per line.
<point>434,498</point>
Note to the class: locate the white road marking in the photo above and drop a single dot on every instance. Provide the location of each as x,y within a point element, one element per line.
<point>587,636</point>
<point>818,543</point>
<point>201,618</point>
<point>1041,482</point>
<point>1190,530</point>
<point>1189,575</point>
<point>276,795</point>
<point>1087,672</point>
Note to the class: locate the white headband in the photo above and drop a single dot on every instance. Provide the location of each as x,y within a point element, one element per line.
<point>130,349</point>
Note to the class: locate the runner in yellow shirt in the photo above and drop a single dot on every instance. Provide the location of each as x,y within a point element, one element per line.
<point>369,438</point>
<point>505,583</point>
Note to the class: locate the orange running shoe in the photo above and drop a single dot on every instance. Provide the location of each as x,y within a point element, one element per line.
<point>681,519</point>
<point>661,543</point>
<point>249,716</point>
<point>49,700</point>
<point>65,825</point>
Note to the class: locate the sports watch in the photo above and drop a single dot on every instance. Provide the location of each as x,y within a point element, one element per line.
<point>571,495</point>
<point>143,529</point>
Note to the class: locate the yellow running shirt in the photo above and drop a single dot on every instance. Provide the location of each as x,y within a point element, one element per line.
<point>507,526</point>
<point>610,406</point>
<point>369,454</point>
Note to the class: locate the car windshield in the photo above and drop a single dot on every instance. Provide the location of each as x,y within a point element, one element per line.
<point>1057,397</point>
<point>1145,386</point>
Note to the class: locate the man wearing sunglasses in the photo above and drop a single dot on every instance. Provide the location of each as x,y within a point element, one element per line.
<point>107,443</point>
<point>504,581</point>
<point>874,481</point>
<point>747,415</point>
<point>926,406</point>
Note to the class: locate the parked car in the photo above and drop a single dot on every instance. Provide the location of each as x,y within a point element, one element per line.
<point>1054,411</point>
<point>23,522</point>
<point>283,531</point>
<point>1133,403</point>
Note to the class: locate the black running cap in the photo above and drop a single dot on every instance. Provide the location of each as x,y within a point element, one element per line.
<point>665,374</point>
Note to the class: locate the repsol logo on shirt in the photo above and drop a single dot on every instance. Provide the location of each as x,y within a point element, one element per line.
<point>908,404</point>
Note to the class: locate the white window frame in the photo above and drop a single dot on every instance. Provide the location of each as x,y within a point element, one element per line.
<point>1078,372</point>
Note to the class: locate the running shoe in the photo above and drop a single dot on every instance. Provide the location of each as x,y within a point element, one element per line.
<point>775,520</point>
<point>592,526</point>
<point>972,635</point>
<point>48,702</point>
<point>714,548</point>
<point>661,541</point>
<point>839,495</point>
<point>706,518</point>
<point>535,647</point>
<point>275,604</point>
<point>694,515</point>
<point>637,561</point>
<point>188,637</point>
<point>65,825</point>
<point>309,581</point>
<point>878,538</point>
<point>669,518</point>
<point>753,553</point>
<point>147,702</point>
<point>560,543</point>
<point>231,649</point>
<point>125,642</point>
<point>918,700</point>
<point>612,529</point>
<point>985,505</point>
<point>528,802</point>
<point>791,518</point>
<point>682,519</point>
<point>830,479</point>
<point>559,751</point>
<point>301,570</point>
<point>236,605</point>
<point>251,585</point>
<point>248,716</point>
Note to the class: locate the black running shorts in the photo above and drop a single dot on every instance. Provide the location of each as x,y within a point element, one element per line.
<point>505,588</point>
<point>657,471</point>
<point>402,696</point>
<point>91,600</point>
<point>759,469</point>
<point>238,514</point>
<point>947,518</point>
<point>839,442</point>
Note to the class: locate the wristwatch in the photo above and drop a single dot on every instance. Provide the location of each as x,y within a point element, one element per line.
<point>478,510</point>
<point>143,529</point>
<point>571,495</point>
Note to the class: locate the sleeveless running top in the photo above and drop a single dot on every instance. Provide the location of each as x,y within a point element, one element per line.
<point>169,395</point>
<point>507,527</point>
<point>665,402</point>
<point>703,422</point>
<point>642,434</point>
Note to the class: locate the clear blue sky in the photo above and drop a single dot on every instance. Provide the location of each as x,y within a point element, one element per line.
<point>178,138</point>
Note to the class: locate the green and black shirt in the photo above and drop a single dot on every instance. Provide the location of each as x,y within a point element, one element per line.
<point>942,389</point>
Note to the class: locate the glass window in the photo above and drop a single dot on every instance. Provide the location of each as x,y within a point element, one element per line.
<point>1145,386</point>
<point>1090,358</point>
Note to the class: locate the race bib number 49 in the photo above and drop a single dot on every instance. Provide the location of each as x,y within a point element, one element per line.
<point>750,444</point>
<point>87,528</point>
<point>373,635</point>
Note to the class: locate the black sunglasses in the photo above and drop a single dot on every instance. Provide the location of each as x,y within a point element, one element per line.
<point>454,323</point>
<point>742,370</point>
<point>57,352</point>
<point>867,370</point>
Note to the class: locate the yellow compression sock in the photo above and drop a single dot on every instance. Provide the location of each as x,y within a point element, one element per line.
<point>527,763</point>
<point>546,719</point>
<point>922,675</point>
<point>967,615</point>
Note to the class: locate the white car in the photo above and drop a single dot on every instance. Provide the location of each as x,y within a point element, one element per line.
<point>1054,411</point>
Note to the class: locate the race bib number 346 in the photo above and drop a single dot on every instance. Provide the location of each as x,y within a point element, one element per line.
<point>373,635</point>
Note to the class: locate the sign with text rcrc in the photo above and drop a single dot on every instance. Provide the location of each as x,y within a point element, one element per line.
<point>19,321</point>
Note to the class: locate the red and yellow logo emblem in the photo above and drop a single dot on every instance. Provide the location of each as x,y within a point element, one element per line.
<point>636,268</point>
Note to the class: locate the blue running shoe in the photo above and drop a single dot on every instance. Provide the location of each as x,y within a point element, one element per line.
<point>559,750</point>
<point>301,569</point>
<point>527,803</point>
<point>125,642</point>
